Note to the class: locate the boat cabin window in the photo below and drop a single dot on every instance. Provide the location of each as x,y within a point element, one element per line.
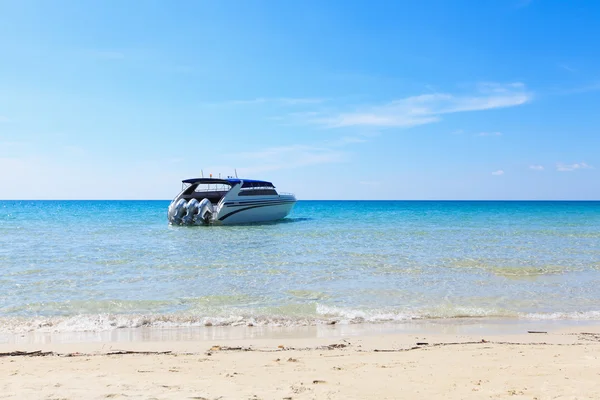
<point>257,189</point>
<point>212,187</point>
<point>211,191</point>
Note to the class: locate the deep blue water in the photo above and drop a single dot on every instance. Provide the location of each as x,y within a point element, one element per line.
<point>71,265</point>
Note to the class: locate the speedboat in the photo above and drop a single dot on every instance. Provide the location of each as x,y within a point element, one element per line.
<point>208,201</point>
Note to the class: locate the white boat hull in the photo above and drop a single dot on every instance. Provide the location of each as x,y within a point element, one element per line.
<point>255,211</point>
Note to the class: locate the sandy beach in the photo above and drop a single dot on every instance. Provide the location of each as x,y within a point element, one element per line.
<point>299,200</point>
<point>560,364</point>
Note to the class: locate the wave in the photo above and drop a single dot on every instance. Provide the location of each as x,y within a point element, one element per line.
<point>578,315</point>
<point>324,315</point>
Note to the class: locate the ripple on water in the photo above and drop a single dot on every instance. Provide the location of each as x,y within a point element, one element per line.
<point>106,264</point>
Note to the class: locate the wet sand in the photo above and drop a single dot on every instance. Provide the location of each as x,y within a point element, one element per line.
<point>560,364</point>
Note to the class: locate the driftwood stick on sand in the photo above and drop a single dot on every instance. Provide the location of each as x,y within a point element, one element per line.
<point>37,353</point>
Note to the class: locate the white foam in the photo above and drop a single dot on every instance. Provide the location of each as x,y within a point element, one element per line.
<point>578,315</point>
<point>324,315</point>
<point>358,316</point>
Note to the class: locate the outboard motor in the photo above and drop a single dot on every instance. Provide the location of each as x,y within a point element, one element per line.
<point>191,208</point>
<point>177,212</point>
<point>205,213</point>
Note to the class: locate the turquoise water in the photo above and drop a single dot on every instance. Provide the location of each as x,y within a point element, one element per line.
<point>97,265</point>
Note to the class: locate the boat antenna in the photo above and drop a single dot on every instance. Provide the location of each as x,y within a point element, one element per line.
<point>235,172</point>
<point>202,173</point>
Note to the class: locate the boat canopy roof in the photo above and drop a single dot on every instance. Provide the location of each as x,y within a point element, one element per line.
<point>228,181</point>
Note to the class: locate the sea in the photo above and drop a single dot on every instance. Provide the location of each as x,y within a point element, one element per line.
<point>69,266</point>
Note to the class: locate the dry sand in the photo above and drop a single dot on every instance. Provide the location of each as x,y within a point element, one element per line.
<point>557,365</point>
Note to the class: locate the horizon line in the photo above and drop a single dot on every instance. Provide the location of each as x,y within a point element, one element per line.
<point>415,200</point>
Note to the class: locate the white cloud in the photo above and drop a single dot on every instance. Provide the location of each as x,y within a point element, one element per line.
<point>536,167</point>
<point>489,134</point>
<point>498,173</point>
<point>495,87</point>
<point>428,108</point>
<point>572,167</point>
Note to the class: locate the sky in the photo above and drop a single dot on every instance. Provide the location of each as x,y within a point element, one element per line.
<point>496,99</point>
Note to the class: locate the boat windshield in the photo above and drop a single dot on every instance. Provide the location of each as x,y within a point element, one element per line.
<point>257,189</point>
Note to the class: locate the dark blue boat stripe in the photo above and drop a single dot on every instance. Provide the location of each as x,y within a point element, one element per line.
<point>252,205</point>
<point>240,210</point>
<point>257,200</point>
<point>255,203</point>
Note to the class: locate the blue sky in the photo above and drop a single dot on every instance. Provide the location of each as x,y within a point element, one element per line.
<point>328,99</point>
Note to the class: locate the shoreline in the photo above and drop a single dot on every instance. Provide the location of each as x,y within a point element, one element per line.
<point>562,363</point>
<point>442,326</point>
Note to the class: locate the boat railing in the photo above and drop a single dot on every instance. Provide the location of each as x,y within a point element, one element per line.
<point>286,194</point>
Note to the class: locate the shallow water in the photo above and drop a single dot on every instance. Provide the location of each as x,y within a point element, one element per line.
<point>100,265</point>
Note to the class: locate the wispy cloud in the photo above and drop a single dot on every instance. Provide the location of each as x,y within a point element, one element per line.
<point>428,108</point>
<point>285,101</point>
<point>287,157</point>
<point>498,173</point>
<point>489,134</point>
<point>592,87</point>
<point>567,68</point>
<point>373,119</point>
<point>294,156</point>
<point>572,167</point>
<point>347,140</point>
<point>536,167</point>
